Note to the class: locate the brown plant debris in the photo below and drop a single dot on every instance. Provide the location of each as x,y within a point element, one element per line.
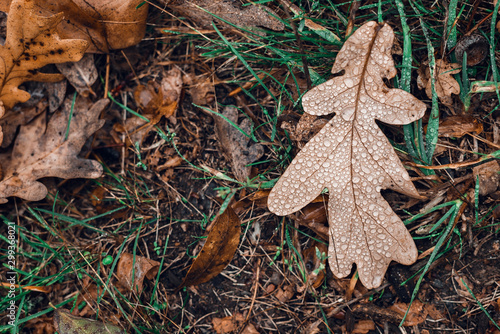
<point>132,270</point>
<point>459,125</point>
<point>444,83</point>
<point>50,150</point>
<point>353,159</point>
<point>222,242</point>
<point>235,145</point>
<point>30,44</point>
<point>66,323</point>
<point>106,25</point>
<point>488,176</point>
<point>203,12</point>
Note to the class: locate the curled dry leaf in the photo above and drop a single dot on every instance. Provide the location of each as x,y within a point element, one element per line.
<point>81,74</point>
<point>222,242</point>
<point>235,145</point>
<point>132,270</point>
<point>203,12</point>
<point>476,46</point>
<point>444,84</point>
<point>489,177</point>
<point>66,323</point>
<point>106,25</point>
<point>42,150</point>
<point>30,44</point>
<point>353,159</point>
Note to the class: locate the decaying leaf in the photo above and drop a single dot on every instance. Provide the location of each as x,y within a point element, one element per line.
<point>445,84</point>
<point>50,150</point>
<point>235,144</point>
<point>229,10</point>
<point>66,323</point>
<point>227,324</point>
<point>200,87</point>
<point>488,175</point>
<point>14,118</point>
<point>353,159</point>
<point>315,262</point>
<point>222,242</point>
<point>81,74</point>
<point>106,25</point>
<point>30,44</point>
<point>132,270</point>
<point>476,47</point>
<point>395,313</point>
<point>459,125</point>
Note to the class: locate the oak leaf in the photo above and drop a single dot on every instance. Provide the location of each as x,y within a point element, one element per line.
<point>106,25</point>
<point>67,323</point>
<point>31,43</point>
<point>50,150</point>
<point>353,159</point>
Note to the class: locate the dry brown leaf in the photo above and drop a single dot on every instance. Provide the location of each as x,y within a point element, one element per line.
<point>363,327</point>
<point>132,270</point>
<point>416,315</point>
<point>229,10</point>
<point>66,323</point>
<point>106,25</point>
<point>315,266</point>
<point>459,125</point>
<point>14,118</point>
<point>30,44</point>
<point>201,88</point>
<point>227,324</point>
<point>42,150</point>
<point>353,159</point>
<point>489,177</point>
<point>81,74</point>
<point>222,242</point>
<point>444,84</point>
<point>235,145</point>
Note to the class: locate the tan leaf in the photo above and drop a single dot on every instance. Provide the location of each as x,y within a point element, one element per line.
<point>66,323</point>
<point>444,84</point>
<point>30,44</point>
<point>42,150</point>
<point>132,270</point>
<point>229,10</point>
<point>14,118</point>
<point>459,125</point>
<point>222,242</point>
<point>488,175</point>
<point>106,25</point>
<point>352,158</point>
<point>235,145</point>
<point>81,74</point>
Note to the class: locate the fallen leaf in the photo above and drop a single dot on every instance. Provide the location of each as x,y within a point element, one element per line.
<point>285,293</point>
<point>30,44</point>
<point>203,12</point>
<point>81,74</point>
<point>41,325</point>
<point>444,84</point>
<point>235,145</point>
<point>352,158</point>
<point>489,177</point>
<point>222,242</point>
<point>201,88</point>
<point>106,25</point>
<point>250,329</point>
<point>476,47</point>
<point>12,119</point>
<point>315,263</point>
<point>132,270</point>
<point>42,150</point>
<point>416,314</point>
<point>363,327</point>
<point>227,324</point>
<point>66,323</point>
<point>459,125</point>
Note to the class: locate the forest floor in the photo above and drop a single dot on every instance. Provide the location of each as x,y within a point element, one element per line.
<point>164,186</point>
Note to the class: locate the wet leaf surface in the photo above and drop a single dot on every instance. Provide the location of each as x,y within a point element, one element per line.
<point>352,158</point>
<point>222,242</point>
